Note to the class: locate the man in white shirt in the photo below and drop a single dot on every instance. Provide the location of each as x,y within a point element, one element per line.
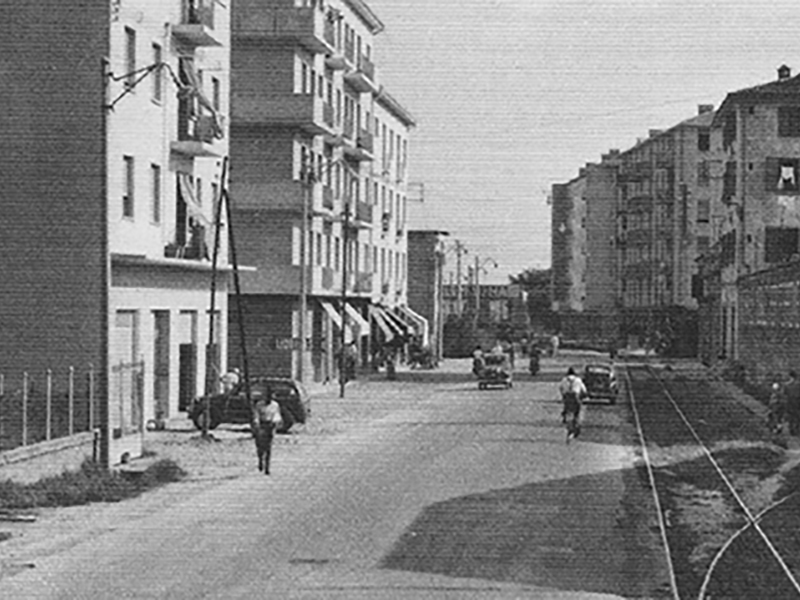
<point>266,419</point>
<point>572,392</point>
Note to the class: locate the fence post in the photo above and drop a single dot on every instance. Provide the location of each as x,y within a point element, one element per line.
<point>48,434</point>
<point>71,401</point>
<point>25,408</point>
<point>91,397</point>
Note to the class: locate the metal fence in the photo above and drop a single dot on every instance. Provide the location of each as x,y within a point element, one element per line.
<point>41,406</point>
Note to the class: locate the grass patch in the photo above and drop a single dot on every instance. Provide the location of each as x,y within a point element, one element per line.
<point>90,483</point>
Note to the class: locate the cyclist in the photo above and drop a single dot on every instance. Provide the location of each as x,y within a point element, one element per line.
<point>572,392</point>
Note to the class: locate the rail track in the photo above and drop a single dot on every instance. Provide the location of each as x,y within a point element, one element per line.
<point>691,442</point>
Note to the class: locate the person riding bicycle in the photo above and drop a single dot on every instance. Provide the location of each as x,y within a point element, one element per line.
<point>572,392</point>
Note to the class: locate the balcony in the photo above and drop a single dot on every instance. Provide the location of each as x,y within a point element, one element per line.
<point>306,26</point>
<point>350,51</point>
<point>197,24</point>
<point>304,111</point>
<point>362,79</point>
<point>348,129</point>
<point>366,141</point>
<point>197,136</point>
<point>195,246</point>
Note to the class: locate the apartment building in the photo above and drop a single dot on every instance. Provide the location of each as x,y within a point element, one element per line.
<point>112,158</point>
<point>583,252</point>
<point>320,155</point>
<point>664,192</point>
<point>750,275</point>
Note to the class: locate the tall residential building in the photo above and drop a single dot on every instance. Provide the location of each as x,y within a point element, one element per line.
<point>320,161</point>
<point>751,274</point>
<point>663,225</point>
<point>110,164</point>
<point>584,266</point>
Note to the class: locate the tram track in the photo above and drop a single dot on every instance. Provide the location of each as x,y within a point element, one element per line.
<point>699,483</point>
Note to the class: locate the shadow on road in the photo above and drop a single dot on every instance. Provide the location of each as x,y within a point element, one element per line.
<point>573,534</point>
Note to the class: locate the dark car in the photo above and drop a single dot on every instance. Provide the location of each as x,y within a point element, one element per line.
<point>233,406</point>
<point>601,382</point>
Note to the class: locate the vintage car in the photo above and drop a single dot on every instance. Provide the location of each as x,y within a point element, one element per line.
<point>233,406</point>
<point>494,370</point>
<point>601,382</point>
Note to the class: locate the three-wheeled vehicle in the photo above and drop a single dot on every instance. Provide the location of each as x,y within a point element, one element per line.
<point>496,370</point>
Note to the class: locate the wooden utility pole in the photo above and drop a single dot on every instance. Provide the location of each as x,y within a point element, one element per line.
<point>460,249</point>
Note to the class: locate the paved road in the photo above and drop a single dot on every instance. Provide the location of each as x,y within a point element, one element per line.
<point>446,492</point>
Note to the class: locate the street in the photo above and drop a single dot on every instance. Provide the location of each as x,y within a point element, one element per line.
<point>429,489</point>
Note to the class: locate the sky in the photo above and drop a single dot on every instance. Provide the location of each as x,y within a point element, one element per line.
<point>512,96</point>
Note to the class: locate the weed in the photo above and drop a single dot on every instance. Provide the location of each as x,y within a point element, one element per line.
<point>90,483</point>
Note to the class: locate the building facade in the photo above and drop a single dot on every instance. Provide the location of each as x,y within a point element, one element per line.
<point>110,219</point>
<point>320,155</point>
<point>664,194</point>
<point>750,277</point>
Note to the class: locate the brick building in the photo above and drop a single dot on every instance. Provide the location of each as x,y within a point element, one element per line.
<point>313,134</point>
<point>111,159</point>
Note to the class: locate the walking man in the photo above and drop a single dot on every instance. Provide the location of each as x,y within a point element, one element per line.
<point>572,392</point>
<point>266,419</point>
<point>792,393</point>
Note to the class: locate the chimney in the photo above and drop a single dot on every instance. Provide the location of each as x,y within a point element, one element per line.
<point>703,109</point>
<point>784,72</point>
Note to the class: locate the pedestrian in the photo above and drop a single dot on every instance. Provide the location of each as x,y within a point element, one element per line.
<point>230,379</point>
<point>478,361</point>
<point>572,393</point>
<point>792,400</point>
<point>266,419</point>
<point>554,343</point>
<point>777,408</point>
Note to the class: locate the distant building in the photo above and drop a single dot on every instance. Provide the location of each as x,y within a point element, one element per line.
<point>110,174</point>
<point>664,191</point>
<point>425,283</point>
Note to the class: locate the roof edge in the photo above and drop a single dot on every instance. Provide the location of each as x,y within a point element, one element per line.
<point>391,104</point>
<point>367,15</point>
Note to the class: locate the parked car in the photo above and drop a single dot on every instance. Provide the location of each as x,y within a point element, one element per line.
<point>601,382</point>
<point>233,406</point>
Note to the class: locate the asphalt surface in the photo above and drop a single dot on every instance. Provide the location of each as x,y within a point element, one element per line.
<point>423,487</point>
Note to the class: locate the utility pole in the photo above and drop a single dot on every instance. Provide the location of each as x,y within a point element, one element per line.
<point>307,182</point>
<point>345,257</point>
<point>460,249</point>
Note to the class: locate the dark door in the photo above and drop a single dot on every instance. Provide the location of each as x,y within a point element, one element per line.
<point>187,375</point>
<point>161,364</point>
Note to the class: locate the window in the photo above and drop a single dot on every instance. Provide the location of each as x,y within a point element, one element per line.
<point>780,243</point>
<point>703,175</point>
<point>729,181</point>
<point>158,79</point>
<point>155,175</point>
<point>215,91</point>
<point>782,174</point>
<point>729,130</point>
<point>703,210</point>
<point>703,140</point>
<point>318,249</point>
<point>127,194</point>
<point>789,121</point>
<point>130,57</point>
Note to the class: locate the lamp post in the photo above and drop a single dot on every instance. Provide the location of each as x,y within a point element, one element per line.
<point>478,266</point>
<point>343,358</point>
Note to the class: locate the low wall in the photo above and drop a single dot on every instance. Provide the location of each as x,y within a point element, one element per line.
<point>28,464</point>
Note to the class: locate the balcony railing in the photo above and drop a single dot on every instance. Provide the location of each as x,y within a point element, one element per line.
<point>193,248</point>
<point>196,133</point>
<point>367,67</point>
<point>305,24</point>
<point>298,110</point>
<point>197,23</point>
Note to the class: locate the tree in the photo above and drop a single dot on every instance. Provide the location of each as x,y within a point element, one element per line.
<point>536,283</point>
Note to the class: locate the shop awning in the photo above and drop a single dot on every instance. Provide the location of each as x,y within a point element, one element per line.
<point>363,325</point>
<point>376,315</point>
<point>332,313</point>
<point>420,323</point>
<point>394,321</point>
